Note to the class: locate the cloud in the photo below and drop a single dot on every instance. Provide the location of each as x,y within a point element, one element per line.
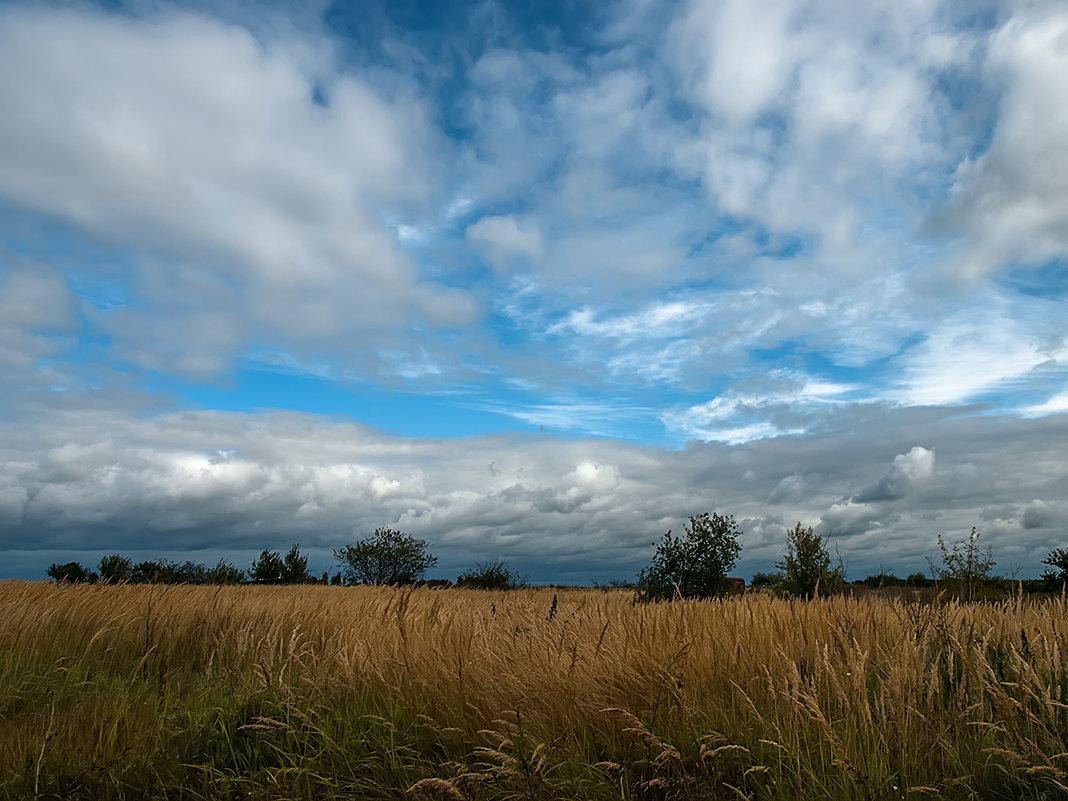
<point>505,241</point>
<point>87,482</point>
<point>813,109</point>
<point>203,151</point>
<point>973,351</point>
<point>777,406</point>
<point>908,472</point>
<point>1011,201</point>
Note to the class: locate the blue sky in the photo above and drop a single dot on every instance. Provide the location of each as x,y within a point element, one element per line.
<point>533,281</point>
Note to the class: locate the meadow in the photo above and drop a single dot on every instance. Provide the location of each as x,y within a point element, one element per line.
<point>293,692</point>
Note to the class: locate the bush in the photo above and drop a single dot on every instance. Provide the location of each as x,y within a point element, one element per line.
<point>295,567</point>
<point>115,568</point>
<point>765,580</point>
<point>71,573</point>
<point>225,572</point>
<point>806,568</point>
<point>1056,578</point>
<point>882,580</point>
<point>267,569</point>
<point>164,571</point>
<point>917,580</point>
<point>388,557</point>
<point>489,576</point>
<point>964,566</point>
<point>693,566</point>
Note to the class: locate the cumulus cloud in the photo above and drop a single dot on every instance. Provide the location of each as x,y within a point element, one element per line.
<point>85,483</point>
<point>907,472</point>
<point>205,151</point>
<point>1011,200</point>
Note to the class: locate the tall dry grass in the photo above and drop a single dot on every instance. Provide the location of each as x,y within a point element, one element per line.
<point>319,692</point>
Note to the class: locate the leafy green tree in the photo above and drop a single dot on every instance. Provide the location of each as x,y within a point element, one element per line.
<point>295,567</point>
<point>164,571</point>
<point>269,568</point>
<point>115,568</point>
<point>225,572</point>
<point>918,580</point>
<point>806,567</point>
<point>964,565</point>
<point>1057,577</point>
<point>765,580</point>
<point>71,573</point>
<point>489,576</point>
<point>694,565</point>
<point>388,557</point>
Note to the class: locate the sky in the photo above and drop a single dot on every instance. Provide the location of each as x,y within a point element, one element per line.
<point>533,281</point>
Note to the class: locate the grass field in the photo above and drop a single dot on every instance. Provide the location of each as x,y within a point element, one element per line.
<point>328,692</point>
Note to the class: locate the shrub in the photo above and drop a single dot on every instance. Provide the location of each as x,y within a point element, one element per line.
<point>267,569</point>
<point>489,576</point>
<point>693,566</point>
<point>806,567</point>
<point>882,580</point>
<point>295,567</point>
<point>1056,578</point>
<point>765,580</point>
<point>965,565</point>
<point>388,557</point>
<point>225,572</point>
<point>115,568</point>
<point>71,573</point>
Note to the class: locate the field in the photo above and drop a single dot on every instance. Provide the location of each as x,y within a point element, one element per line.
<point>329,692</point>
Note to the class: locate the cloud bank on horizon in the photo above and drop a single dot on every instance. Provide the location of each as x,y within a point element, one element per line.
<point>533,283</point>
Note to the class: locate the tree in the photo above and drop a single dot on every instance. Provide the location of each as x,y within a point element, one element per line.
<point>267,569</point>
<point>964,565</point>
<point>765,580</point>
<point>489,576</point>
<point>164,571</point>
<point>806,567</point>
<point>695,565</point>
<point>387,557</point>
<point>71,573</point>
<point>115,568</point>
<point>225,572</point>
<point>1056,578</point>
<point>295,567</point>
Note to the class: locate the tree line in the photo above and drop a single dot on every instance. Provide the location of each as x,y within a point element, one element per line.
<point>388,557</point>
<point>694,564</point>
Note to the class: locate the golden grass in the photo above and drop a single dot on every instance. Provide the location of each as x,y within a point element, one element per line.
<point>369,692</point>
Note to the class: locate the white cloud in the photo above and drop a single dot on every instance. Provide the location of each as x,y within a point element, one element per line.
<point>201,148</point>
<point>977,351</point>
<point>908,472</point>
<point>666,319</point>
<point>1011,202</point>
<point>1057,404</point>
<point>505,240</point>
<point>740,416</point>
<point>814,110</point>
